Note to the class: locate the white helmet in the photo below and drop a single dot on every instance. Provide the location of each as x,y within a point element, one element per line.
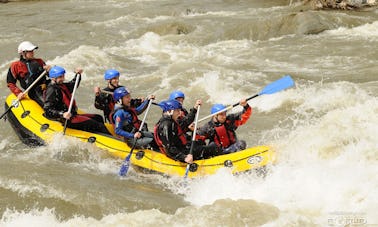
<point>26,46</point>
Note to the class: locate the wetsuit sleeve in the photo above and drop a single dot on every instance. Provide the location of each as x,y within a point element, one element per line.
<point>142,107</point>
<point>70,85</point>
<point>101,101</point>
<point>243,117</point>
<point>12,80</point>
<point>119,117</point>
<point>188,119</point>
<point>185,111</point>
<point>166,135</point>
<point>51,103</point>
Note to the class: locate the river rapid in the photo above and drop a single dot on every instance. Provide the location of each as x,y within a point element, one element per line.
<point>324,129</point>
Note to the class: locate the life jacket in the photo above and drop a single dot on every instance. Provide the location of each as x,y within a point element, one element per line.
<point>67,98</point>
<point>108,108</point>
<point>158,141</point>
<point>111,120</point>
<point>26,71</point>
<point>224,135</point>
<point>135,122</point>
<point>111,115</point>
<point>108,104</point>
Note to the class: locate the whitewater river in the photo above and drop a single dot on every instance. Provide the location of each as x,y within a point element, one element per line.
<point>324,129</point>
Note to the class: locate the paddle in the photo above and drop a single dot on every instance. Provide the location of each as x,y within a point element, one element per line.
<point>15,102</point>
<point>126,163</point>
<point>276,86</point>
<point>72,100</point>
<point>111,93</point>
<point>193,139</point>
<point>106,92</point>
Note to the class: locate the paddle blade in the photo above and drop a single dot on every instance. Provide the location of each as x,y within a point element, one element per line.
<point>278,85</point>
<point>125,166</point>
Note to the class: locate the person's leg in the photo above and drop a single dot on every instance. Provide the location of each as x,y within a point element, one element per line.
<point>85,123</point>
<point>96,117</point>
<point>201,151</point>
<point>230,149</point>
<point>99,123</point>
<point>237,146</point>
<point>141,142</point>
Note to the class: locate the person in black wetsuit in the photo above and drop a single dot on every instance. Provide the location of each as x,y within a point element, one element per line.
<point>171,139</point>
<point>58,98</point>
<point>104,98</point>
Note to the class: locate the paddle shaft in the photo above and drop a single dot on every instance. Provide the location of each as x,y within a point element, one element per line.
<point>228,108</point>
<point>126,163</point>
<point>193,139</point>
<point>25,92</point>
<point>141,125</point>
<point>71,101</point>
<point>276,86</point>
<point>106,92</point>
<point>111,93</point>
<point>195,130</point>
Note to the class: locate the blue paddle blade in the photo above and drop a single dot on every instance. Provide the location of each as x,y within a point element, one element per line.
<point>278,85</point>
<point>125,166</point>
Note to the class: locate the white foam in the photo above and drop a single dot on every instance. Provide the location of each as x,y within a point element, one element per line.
<point>33,218</point>
<point>85,57</point>
<point>23,189</point>
<point>367,31</point>
<point>327,161</point>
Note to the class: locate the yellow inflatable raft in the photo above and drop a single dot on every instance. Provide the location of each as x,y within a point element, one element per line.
<point>34,129</point>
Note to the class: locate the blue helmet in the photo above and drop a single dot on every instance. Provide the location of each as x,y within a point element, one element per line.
<point>110,74</point>
<point>56,71</point>
<point>177,94</point>
<point>168,105</point>
<point>119,93</point>
<point>217,107</point>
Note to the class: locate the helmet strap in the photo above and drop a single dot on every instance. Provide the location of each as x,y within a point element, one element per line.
<point>110,85</point>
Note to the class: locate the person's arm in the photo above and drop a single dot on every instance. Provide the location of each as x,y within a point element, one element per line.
<point>101,101</point>
<point>12,81</point>
<point>71,84</point>
<point>142,107</point>
<point>243,116</point>
<point>189,118</point>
